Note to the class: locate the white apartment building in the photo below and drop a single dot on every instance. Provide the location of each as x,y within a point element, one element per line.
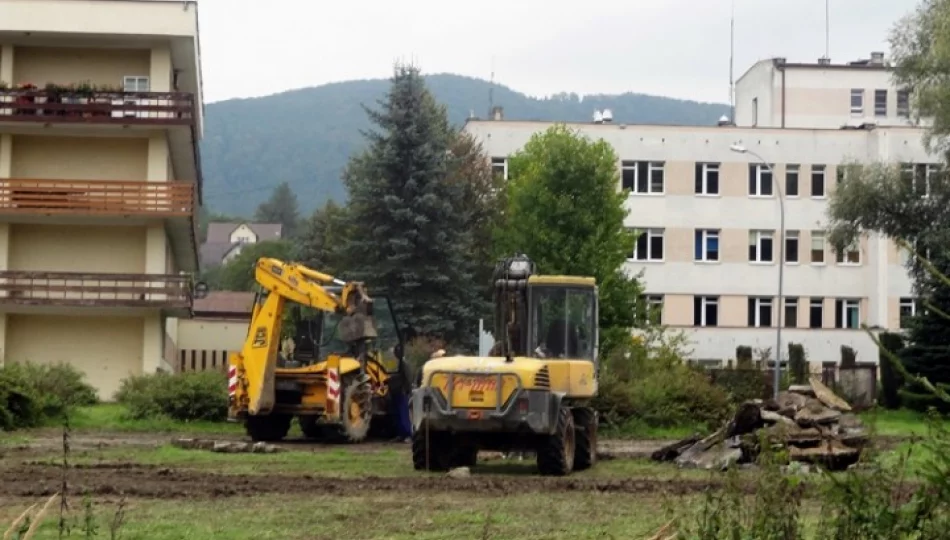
<point>709,216</point>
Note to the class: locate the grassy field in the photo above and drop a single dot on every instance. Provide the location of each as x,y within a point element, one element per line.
<point>351,492</point>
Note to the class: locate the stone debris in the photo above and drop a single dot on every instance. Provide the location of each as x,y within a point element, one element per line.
<point>812,423</point>
<point>228,447</point>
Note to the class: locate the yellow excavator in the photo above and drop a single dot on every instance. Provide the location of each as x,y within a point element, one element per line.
<point>533,390</point>
<point>346,347</point>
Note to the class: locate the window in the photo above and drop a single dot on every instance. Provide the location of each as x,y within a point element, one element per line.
<point>908,309</point>
<point>642,177</point>
<point>847,313</point>
<point>918,176</point>
<point>903,103</point>
<point>760,180</point>
<point>132,83</point>
<point>654,308</point>
<point>850,256</point>
<point>705,311</point>
<point>815,313</point>
<point>760,312</point>
<point>791,313</point>
<point>760,246</point>
<point>880,103</point>
<point>791,180</point>
<point>649,245</point>
<point>499,167</point>
<point>857,101</point>
<point>706,245</point>
<point>791,246</point>
<point>818,247</point>
<point>707,178</point>
<point>817,180</point>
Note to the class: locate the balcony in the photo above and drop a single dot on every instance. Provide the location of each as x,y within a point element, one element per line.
<point>81,289</point>
<point>85,104</point>
<point>96,198</point>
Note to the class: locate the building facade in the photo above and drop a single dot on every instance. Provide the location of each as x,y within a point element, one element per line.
<point>100,181</point>
<point>709,223</point>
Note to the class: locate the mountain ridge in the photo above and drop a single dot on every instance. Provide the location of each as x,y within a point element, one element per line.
<point>305,136</point>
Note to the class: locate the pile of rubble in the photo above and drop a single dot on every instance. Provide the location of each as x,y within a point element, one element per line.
<point>810,421</point>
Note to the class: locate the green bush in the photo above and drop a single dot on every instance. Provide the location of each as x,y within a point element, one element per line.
<point>33,394</point>
<point>183,397</point>
<point>420,349</point>
<point>797,363</point>
<point>891,379</point>
<point>645,380</point>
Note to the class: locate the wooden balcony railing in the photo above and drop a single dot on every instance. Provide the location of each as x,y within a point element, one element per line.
<point>96,197</point>
<point>95,289</point>
<point>170,108</point>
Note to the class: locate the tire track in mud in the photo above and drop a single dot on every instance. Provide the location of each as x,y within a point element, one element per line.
<point>156,482</point>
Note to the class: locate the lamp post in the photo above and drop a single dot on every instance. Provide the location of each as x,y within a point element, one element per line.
<point>781,262</point>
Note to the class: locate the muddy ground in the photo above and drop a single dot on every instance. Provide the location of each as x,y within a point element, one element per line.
<point>157,482</point>
<point>52,441</point>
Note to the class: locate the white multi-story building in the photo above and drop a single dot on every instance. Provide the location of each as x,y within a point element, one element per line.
<point>709,216</point>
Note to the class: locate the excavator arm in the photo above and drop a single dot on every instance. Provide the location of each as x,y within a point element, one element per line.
<point>256,364</point>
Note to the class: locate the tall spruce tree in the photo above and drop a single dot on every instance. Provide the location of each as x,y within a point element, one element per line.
<point>407,221</point>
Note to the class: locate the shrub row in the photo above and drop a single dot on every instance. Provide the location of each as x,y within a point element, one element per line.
<point>33,395</point>
<point>184,396</point>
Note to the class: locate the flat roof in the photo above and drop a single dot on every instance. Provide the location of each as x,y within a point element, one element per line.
<point>727,127</point>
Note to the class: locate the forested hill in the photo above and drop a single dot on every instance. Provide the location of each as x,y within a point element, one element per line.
<point>305,136</point>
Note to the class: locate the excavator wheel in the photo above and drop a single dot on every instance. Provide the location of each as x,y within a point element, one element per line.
<point>311,429</point>
<point>585,429</point>
<point>434,454</point>
<point>556,452</point>
<point>268,427</point>
<point>356,407</point>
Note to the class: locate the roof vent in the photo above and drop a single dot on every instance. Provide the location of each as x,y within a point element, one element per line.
<point>497,113</point>
<point>598,117</point>
<point>607,116</point>
<point>877,59</point>
<point>824,61</point>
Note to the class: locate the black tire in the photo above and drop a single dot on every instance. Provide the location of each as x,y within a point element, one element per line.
<point>585,428</point>
<point>466,456</point>
<point>356,411</point>
<point>269,427</point>
<point>439,456</point>
<point>311,429</point>
<point>556,452</point>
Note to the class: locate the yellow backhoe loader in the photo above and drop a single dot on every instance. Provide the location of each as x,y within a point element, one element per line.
<point>346,347</point>
<point>531,393</point>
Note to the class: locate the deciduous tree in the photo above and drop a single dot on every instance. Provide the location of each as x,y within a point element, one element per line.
<point>565,212</point>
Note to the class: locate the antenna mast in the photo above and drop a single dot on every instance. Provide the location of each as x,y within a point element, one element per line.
<point>491,89</point>
<point>827,32</point>
<point>732,53</point>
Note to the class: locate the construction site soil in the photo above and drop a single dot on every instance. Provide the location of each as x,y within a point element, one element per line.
<point>157,482</point>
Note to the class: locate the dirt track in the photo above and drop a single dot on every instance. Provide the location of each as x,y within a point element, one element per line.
<point>158,482</point>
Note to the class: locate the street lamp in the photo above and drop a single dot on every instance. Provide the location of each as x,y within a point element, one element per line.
<point>781,261</point>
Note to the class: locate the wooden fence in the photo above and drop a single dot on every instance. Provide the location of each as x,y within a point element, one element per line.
<point>202,360</point>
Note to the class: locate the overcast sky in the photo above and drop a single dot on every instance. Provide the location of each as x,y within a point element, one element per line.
<point>676,48</point>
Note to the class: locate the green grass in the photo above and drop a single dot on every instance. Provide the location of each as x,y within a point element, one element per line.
<point>113,417</point>
<point>390,516</point>
<point>899,423</point>
<point>635,429</point>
